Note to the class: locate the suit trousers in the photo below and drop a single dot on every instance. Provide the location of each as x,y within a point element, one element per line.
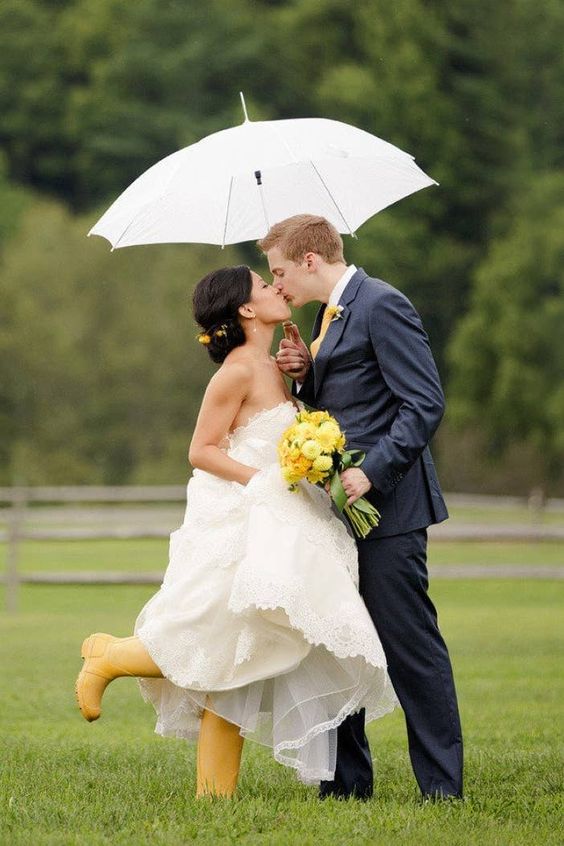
<point>394,586</point>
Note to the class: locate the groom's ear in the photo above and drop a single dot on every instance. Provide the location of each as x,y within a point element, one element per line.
<point>311,261</point>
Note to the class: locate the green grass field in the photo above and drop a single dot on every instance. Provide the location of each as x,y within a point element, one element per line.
<point>64,781</point>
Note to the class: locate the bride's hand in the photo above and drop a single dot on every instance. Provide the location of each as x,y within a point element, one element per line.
<point>293,356</point>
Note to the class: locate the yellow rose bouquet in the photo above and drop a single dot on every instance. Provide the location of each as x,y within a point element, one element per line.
<point>313,448</point>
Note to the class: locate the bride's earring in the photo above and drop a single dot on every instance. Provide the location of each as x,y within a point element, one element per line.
<point>251,316</point>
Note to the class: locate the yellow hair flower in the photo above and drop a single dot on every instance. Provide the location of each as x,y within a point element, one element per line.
<point>204,338</point>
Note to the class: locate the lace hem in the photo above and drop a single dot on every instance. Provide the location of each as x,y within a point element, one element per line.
<point>375,695</point>
<point>349,639</point>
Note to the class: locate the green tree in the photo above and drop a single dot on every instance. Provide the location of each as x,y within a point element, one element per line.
<point>14,200</point>
<point>102,376</point>
<point>144,85</point>
<point>507,354</point>
<point>503,73</point>
<point>380,66</point>
<point>32,101</point>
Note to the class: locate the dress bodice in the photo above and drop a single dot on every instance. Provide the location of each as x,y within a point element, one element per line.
<point>256,443</point>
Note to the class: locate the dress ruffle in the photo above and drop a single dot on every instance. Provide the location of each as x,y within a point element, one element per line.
<point>259,618</point>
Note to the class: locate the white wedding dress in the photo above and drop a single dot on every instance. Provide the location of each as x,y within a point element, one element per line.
<point>259,618</point>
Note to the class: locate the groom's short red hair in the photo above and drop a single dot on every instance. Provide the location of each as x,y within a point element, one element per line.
<point>304,233</point>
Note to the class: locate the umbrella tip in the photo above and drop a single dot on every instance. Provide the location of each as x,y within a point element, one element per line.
<point>241,95</point>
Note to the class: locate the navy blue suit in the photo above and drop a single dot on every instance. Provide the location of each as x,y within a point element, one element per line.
<point>375,373</point>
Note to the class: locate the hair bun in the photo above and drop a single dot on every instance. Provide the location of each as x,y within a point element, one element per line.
<point>216,302</point>
<point>224,338</point>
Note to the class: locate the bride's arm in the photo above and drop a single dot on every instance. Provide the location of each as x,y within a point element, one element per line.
<point>222,400</point>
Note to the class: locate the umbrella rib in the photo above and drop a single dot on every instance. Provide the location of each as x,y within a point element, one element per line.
<point>133,220</point>
<point>227,214</point>
<point>160,197</point>
<point>332,198</point>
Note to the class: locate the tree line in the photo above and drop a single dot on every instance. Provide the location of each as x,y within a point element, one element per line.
<point>100,377</point>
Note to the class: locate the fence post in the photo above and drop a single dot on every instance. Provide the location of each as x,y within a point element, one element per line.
<point>15,525</point>
<point>536,503</point>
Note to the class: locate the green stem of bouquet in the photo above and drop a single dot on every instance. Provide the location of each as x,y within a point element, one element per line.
<point>362,521</point>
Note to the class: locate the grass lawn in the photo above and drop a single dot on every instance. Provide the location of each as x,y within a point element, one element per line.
<point>63,781</point>
<point>496,553</point>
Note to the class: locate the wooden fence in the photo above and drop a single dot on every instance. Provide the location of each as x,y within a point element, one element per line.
<point>20,498</point>
<point>20,502</point>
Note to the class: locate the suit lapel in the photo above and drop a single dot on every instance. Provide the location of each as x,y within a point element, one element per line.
<point>336,328</point>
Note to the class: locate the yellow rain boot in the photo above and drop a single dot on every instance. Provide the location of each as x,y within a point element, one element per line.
<point>219,756</point>
<point>106,658</point>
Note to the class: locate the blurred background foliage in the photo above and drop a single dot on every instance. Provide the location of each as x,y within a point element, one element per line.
<point>100,375</point>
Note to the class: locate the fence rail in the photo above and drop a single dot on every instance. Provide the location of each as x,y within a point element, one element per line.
<point>445,571</point>
<point>93,493</point>
<point>19,499</point>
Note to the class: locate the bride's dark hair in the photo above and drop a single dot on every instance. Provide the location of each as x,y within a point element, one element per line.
<point>215,304</point>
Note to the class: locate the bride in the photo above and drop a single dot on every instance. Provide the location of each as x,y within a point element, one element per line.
<point>258,630</point>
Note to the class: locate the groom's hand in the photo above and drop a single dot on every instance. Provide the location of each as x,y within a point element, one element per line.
<point>356,483</point>
<point>293,356</point>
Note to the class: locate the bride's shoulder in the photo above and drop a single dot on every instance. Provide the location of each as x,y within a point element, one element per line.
<point>233,372</point>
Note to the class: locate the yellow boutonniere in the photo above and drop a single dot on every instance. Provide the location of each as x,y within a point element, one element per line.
<point>335,311</point>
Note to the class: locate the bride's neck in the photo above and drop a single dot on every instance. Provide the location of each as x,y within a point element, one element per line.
<point>259,340</point>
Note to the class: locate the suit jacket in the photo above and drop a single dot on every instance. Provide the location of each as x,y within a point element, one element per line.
<point>376,374</point>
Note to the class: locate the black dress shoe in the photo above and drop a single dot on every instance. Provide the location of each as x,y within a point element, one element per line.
<point>327,791</point>
<point>439,796</point>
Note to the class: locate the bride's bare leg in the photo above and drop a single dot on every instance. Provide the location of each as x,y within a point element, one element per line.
<point>106,658</point>
<point>219,756</point>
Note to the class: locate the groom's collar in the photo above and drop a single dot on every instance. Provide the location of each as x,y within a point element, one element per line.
<point>348,285</point>
<point>353,284</point>
<point>342,283</point>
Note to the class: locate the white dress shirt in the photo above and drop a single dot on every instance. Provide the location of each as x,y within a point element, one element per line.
<point>336,295</point>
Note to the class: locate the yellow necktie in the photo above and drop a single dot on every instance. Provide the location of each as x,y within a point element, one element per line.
<point>328,316</point>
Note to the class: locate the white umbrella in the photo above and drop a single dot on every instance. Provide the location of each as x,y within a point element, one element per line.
<point>233,185</point>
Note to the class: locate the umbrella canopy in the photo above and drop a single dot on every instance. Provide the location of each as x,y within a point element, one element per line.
<point>233,185</point>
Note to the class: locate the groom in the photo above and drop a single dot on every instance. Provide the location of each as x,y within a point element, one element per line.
<point>371,366</point>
